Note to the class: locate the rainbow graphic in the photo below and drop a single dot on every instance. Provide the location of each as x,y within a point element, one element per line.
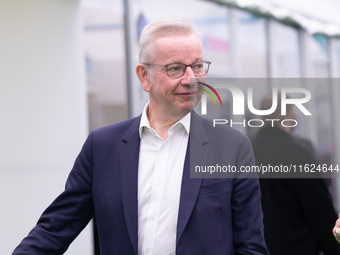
<point>209,93</point>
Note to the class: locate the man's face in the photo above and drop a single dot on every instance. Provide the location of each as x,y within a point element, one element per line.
<point>175,97</point>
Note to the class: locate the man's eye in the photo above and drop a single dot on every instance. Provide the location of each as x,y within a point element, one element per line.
<point>197,66</point>
<point>175,68</point>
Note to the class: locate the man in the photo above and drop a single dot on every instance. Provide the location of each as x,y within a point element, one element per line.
<point>134,176</point>
<point>298,212</point>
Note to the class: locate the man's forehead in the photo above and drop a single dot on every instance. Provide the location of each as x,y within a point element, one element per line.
<point>190,36</point>
<point>173,44</point>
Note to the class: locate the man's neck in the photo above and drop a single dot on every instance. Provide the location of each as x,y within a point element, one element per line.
<point>161,123</point>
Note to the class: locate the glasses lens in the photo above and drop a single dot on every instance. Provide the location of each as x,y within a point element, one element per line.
<point>200,68</point>
<point>175,70</point>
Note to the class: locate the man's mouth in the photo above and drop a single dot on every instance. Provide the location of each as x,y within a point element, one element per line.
<point>188,94</point>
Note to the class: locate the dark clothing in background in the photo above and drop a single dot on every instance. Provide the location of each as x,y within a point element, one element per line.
<point>298,213</point>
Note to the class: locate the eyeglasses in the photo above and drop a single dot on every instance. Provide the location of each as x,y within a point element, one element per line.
<point>177,70</point>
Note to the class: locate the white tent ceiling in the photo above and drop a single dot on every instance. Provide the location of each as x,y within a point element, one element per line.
<point>313,15</point>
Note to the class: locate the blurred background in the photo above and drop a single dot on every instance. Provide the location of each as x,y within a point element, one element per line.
<point>67,67</point>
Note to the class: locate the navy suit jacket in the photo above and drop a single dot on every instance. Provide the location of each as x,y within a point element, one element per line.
<point>216,216</point>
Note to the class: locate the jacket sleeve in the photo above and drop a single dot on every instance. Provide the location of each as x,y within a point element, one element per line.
<point>246,208</point>
<point>68,214</point>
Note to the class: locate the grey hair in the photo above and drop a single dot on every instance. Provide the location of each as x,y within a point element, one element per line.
<point>159,28</point>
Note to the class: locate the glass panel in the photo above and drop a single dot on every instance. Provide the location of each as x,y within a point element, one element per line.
<point>317,56</point>
<point>336,57</point>
<point>285,51</point>
<point>249,38</point>
<point>105,59</point>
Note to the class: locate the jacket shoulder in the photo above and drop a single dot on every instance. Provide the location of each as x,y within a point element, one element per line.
<point>119,130</point>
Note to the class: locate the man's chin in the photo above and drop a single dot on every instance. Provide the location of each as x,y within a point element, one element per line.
<point>185,107</point>
<point>184,110</point>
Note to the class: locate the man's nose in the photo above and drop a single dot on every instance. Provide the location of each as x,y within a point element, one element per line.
<point>188,74</point>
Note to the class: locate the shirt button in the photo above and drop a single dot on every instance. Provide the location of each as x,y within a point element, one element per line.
<point>158,183</point>
<point>162,152</point>
<point>147,250</point>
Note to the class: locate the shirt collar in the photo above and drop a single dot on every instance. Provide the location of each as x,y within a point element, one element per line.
<point>145,124</point>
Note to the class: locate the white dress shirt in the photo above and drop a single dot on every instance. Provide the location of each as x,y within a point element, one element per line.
<point>160,170</point>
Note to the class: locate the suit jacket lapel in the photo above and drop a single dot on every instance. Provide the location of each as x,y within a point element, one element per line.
<point>129,156</point>
<point>196,155</point>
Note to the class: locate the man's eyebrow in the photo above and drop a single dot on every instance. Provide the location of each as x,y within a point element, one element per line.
<point>196,60</point>
<point>179,62</point>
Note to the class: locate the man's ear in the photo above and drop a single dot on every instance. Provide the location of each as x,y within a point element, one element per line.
<point>143,76</point>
